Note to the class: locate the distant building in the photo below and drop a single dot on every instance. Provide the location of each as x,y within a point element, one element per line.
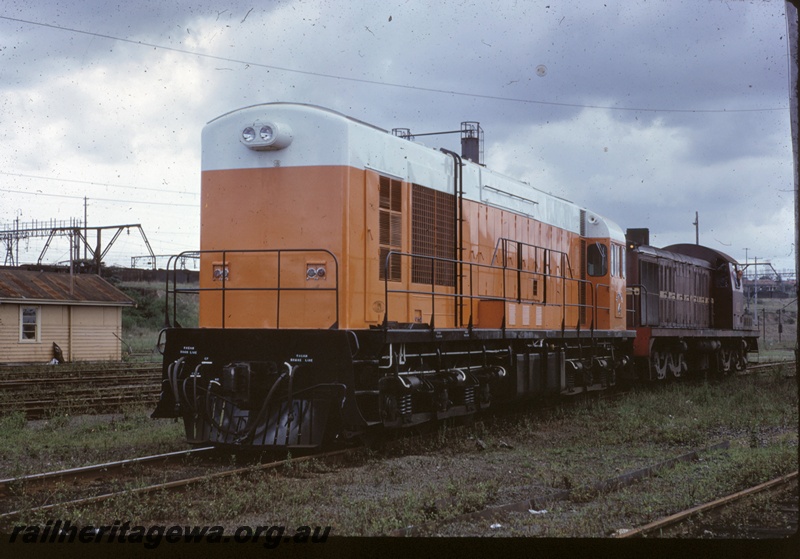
<point>81,314</point>
<point>769,288</point>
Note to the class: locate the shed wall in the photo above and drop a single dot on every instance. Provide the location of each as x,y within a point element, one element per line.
<point>84,334</point>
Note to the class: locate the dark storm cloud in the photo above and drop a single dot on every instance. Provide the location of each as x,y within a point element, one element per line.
<point>41,36</point>
<point>133,107</point>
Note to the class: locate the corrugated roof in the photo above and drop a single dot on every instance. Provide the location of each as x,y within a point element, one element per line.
<point>45,287</point>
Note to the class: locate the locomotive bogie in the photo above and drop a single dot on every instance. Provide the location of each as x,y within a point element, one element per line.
<point>258,387</point>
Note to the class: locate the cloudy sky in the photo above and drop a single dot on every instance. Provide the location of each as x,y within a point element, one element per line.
<point>646,112</point>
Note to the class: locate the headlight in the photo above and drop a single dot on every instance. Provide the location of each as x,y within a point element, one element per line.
<point>316,271</point>
<point>266,136</point>
<point>267,133</point>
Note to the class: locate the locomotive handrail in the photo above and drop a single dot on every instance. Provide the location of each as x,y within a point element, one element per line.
<point>173,261</point>
<point>591,305</point>
<point>637,299</point>
<point>565,264</point>
<point>471,296</point>
<point>505,241</point>
<point>635,304</point>
<point>598,308</point>
<point>224,289</point>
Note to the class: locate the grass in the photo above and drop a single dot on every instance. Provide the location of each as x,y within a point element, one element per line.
<point>685,414</point>
<point>65,442</point>
<point>684,486</point>
<point>142,323</point>
<point>444,475</point>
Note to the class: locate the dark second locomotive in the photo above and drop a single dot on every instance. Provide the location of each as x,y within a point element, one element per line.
<point>353,281</point>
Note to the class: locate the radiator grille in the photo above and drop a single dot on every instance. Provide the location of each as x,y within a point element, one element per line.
<point>432,234</point>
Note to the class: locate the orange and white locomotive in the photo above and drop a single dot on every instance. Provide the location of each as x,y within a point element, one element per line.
<point>352,280</point>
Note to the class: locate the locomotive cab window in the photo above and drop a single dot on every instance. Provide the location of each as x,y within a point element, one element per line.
<point>596,259</point>
<point>614,260</point>
<point>617,261</point>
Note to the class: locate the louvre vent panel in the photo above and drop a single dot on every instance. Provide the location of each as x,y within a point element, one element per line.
<point>390,225</point>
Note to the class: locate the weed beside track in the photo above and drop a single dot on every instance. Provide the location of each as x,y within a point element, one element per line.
<point>435,479</point>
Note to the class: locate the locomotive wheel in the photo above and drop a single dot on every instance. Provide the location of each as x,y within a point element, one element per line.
<point>675,361</point>
<point>659,363</point>
<point>725,360</point>
<point>739,361</point>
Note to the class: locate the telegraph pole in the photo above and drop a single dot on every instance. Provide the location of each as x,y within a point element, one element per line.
<point>85,224</point>
<point>755,292</point>
<point>16,262</point>
<point>792,24</point>
<point>747,299</point>
<point>696,228</point>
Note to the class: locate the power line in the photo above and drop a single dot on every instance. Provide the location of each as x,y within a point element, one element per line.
<point>115,201</point>
<point>380,83</point>
<point>161,190</point>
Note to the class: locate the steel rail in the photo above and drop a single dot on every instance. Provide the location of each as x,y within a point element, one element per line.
<point>68,370</point>
<point>177,484</point>
<point>756,366</point>
<point>23,384</point>
<point>78,392</point>
<point>84,470</point>
<point>81,404</point>
<point>683,515</point>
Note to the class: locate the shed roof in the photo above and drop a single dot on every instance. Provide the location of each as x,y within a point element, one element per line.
<point>23,286</point>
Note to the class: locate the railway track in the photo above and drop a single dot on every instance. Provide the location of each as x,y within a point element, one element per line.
<point>44,391</point>
<point>10,486</point>
<point>98,487</point>
<point>33,494</point>
<point>71,370</point>
<point>40,392</point>
<point>684,524</point>
<point>36,493</point>
<point>789,366</point>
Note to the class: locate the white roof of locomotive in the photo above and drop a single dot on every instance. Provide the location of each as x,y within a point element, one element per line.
<point>323,137</point>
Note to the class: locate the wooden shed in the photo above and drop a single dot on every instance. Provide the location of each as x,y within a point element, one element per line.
<point>82,314</point>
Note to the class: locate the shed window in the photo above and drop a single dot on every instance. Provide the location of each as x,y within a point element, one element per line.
<point>29,324</point>
<point>596,259</point>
